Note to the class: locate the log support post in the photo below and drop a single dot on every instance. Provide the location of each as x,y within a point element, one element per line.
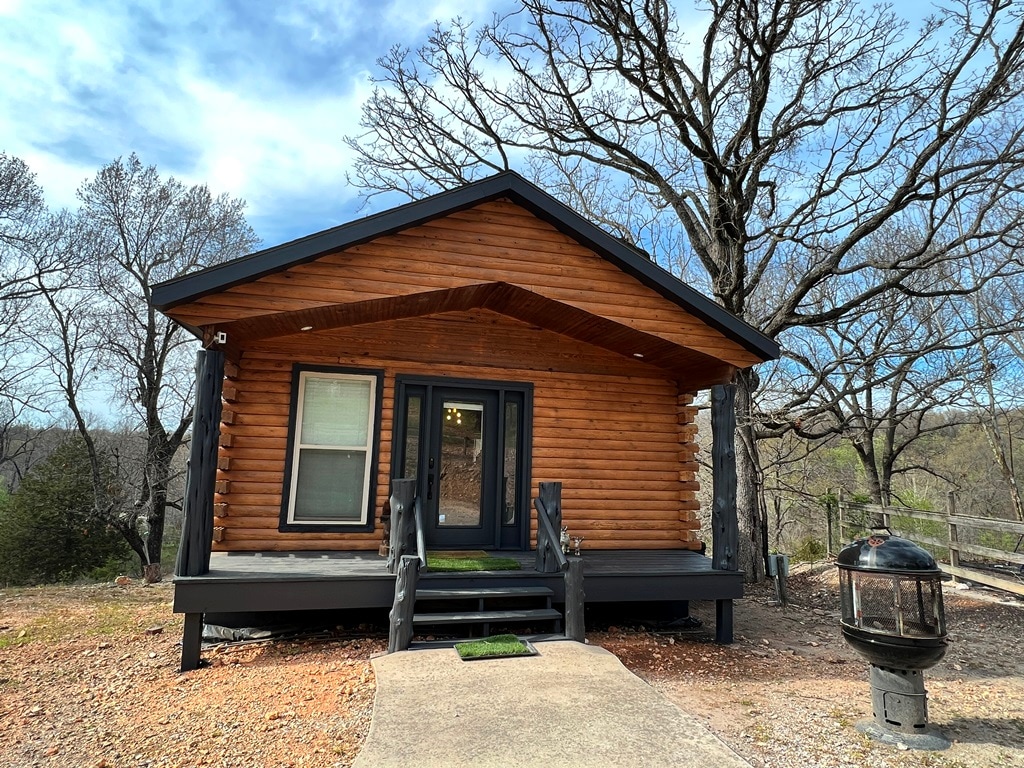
<point>400,632</point>
<point>724,520</point>
<point>191,641</point>
<point>574,600</point>
<point>201,476</point>
<point>549,506</point>
<point>403,522</point>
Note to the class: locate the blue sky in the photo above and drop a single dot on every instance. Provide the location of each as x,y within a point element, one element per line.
<point>251,97</point>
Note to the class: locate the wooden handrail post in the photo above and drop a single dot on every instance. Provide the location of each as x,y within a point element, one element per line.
<point>400,631</point>
<point>549,523</point>
<point>829,533</point>
<point>403,521</point>
<point>574,601</point>
<point>954,534</point>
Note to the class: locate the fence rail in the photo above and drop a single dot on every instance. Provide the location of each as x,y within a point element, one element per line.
<point>856,518</point>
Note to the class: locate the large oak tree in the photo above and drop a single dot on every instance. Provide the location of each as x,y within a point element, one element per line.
<point>759,143</point>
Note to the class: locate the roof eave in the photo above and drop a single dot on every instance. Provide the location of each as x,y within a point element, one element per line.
<point>509,184</point>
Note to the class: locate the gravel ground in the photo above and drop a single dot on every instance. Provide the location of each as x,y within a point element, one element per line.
<point>788,693</point>
<point>88,677</point>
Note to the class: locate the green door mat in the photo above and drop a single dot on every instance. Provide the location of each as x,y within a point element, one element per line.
<point>469,560</point>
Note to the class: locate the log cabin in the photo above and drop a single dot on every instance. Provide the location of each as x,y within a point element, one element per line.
<point>482,348</point>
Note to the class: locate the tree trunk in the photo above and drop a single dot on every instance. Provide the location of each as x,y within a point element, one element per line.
<point>749,508</point>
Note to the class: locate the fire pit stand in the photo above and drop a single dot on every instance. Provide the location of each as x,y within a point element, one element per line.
<point>890,592</point>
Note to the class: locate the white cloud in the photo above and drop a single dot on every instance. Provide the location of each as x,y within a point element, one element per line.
<point>253,101</point>
<point>263,149</point>
<point>413,18</point>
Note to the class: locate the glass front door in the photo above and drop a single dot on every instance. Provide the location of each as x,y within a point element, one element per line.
<point>465,447</point>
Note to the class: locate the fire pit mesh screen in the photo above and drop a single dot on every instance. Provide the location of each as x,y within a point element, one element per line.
<point>895,605</point>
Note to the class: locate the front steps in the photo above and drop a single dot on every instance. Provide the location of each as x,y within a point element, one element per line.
<point>478,608</point>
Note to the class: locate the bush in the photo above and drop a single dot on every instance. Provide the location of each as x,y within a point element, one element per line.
<point>48,532</point>
<point>808,550</point>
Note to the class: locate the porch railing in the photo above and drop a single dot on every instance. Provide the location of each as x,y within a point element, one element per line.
<point>406,537</point>
<point>949,536</point>
<point>551,559</point>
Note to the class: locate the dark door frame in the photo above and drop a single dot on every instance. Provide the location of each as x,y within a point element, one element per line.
<point>514,535</point>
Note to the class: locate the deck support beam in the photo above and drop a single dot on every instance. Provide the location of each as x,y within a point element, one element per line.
<point>201,477</point>
<point>723,622</point>
<point>574,601</point>
<point>191,641</point>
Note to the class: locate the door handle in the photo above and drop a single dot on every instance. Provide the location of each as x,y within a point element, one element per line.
<point>430,486</point>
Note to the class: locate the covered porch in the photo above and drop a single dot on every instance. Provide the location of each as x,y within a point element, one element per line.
<point>242,582</point>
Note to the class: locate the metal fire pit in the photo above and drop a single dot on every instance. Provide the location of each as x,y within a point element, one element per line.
<point>890,592</point>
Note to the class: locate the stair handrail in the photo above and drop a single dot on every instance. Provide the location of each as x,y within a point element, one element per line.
<point>421,540</point>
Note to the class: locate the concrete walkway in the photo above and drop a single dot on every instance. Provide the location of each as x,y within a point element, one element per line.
<point>573,705</point>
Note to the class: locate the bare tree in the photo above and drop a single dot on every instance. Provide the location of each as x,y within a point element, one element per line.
<point>776,134</point>
<point>23,219</point>
<point>133,229</point>
<point>877,379</point>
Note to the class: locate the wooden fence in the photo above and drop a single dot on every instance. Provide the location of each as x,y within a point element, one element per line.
<point>952,539</point>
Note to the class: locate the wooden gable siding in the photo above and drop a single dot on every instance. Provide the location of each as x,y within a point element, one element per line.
<point>494,242</point>
<point>616,432</point>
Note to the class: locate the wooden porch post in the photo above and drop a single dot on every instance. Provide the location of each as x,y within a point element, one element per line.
<point>724,521</point>
<point>403,524</point>
<point>201,476</point>
<point>550,498</point>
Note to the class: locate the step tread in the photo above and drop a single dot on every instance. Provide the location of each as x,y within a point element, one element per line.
<point>468,617</point>
<point>459,593</point>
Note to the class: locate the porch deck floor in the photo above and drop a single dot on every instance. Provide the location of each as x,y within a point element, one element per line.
<point>273,581</point>
<point>358,565</point>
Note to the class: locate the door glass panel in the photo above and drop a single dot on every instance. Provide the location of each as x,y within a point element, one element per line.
<point>460,485</point>
<point>510,463</point>
<point>412,436</point>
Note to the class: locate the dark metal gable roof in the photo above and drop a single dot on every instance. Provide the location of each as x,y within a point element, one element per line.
<point>507,184</point>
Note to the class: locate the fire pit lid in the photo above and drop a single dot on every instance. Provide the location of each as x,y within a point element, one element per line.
<point>884,552</point>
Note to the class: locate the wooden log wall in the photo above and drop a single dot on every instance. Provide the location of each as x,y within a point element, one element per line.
<point>613,430</point>
<point>616,431</point>
<point>494,242</point>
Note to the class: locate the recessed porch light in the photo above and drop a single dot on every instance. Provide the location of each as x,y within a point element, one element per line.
<point>306,328</point>
<point>638,355</point>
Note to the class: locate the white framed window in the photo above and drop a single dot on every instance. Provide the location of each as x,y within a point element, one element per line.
<point>332,455</point>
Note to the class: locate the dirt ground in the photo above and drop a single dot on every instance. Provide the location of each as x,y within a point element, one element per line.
<point>88,677</point>
<point>789,691</point>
